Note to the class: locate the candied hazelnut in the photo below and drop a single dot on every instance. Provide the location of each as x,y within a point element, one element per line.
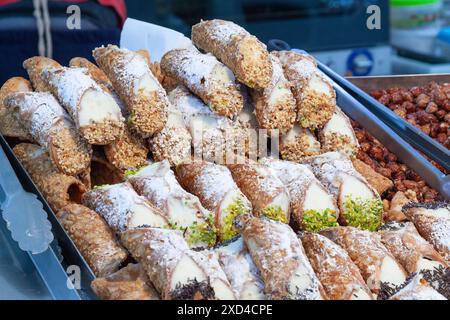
<point>426,128</point>
<point>401,112</point>
<point>396,97</point>
<point>422,100</point>
<point>446,105</point>
<point>434,130</point>
<point>409,106</point>
<point>416,91</point>
<point>447,117</point>
<point>385,99</point>
<point>393,106</point>
<point>390,157</point>
<point>376,152</point>
<point>441,137</point>
<point>409,184</point>
<point>443,127</point>
<point>425,118</point>
<point>399,175</point>
<point>384,172</point>
<point>377,94</point>
<point>407,96</point>
<point>432,107</point>
<point>365,146</point>
<point>440,114</point>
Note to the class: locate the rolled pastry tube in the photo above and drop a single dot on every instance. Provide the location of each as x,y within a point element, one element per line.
<point>129,283</point>
<point>275,105</point>
<point>214,138</point>
<point>240,269</point>
<point>417,289</point>
<point>9,124</point>
<point>173,142</point>
<point>314,93</point>
<point>415,254</point>
<point>206,77</point>
<point>377,265</point>
<point>35,67</point>
<point>123,208</point>
<point>177,272</point>
<point>94,111</point>
<point>103,172</point>
<point>336,271</point>
<point>57,188</point>
<point>242,52</point>
<point>157,183</point>
<point>312,206</point>
<point>379,182</point>
<point>280,258</point>
<point>298,143</point>
<point>268,195</point>
<point>98,76</point>
<point>93,238</point>
<point>338,135</point>
<point>49,125</point>
<point>399,199</point>
<point>128,152</point>
<point>359,204</point>
<point>432,220</point>
<point>218,193</point>
<point>143,95</point>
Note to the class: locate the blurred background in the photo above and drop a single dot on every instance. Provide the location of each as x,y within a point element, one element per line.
<point>360,38</point>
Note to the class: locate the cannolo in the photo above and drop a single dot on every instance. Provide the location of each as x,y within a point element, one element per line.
<point>174,141</point>
<point>400,198</point>
<point>94,111</point>
<point>280,257</point>
<point>314,93</point>
<point>338,274</point>
<point>57,188</point>
<point>432,220</point>
<point>415,254</point>
<point>98,76</point>
<point>129,283</point>
<point>240,269</point>
<point>214,138</point>
<point>49,125</point>
<point>157,183</point>
<point>35,67</point>
<point>417,289</point>
<point>176,271</point>
<point>312,207</point>
<point>9,125</point>
<point>359,204</point>
<point>218,193</point>
<point>267,194</point>
<point>123,208</point>
<point>145,99</point>
<point>167,82</point>
<point>275,105</point>
<point>209,79</point>
<point>128,152</point>
<point>298,143</point>
<point>338,134</point>
<point>375,179</point>
<point>238,49</point>
<point>382,273</point>
<point>93,238</point>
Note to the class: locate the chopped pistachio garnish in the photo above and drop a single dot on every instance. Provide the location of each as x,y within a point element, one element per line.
<point>315,220</point>
<point>275,213</point>
<point>364,214</point>
<point>101,186</point>
<point>234,209</point>
<point>204,232</point>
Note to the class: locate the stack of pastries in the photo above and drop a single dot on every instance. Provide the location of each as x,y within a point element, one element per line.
<point>186,222</point>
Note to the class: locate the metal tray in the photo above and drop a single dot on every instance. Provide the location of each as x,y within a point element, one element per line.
<point>414,136</point>
<point>353,108</point>
<point>53,263</point>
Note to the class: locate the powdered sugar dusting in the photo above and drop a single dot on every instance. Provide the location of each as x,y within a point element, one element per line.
<point>223,31</point>
<point>40,112</point>
<point>70,85</point>
<point>217,182</point>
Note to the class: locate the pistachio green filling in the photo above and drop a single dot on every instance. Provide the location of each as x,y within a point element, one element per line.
<point>275,213</point>
<point>227,230</point>
<point>130,172</point>
<point>364,214</point>
<point>203,232</point>
<point>315,220</point>
<point>101,186</point>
